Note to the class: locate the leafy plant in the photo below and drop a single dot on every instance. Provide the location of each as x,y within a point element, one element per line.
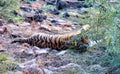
<point>7,7</point>
<point>104,20</point>
<point>6,63</point>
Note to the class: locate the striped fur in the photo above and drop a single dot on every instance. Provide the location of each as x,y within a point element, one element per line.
<point>43,40</point>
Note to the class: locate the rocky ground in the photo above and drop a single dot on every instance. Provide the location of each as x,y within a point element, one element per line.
<point>52,19</point>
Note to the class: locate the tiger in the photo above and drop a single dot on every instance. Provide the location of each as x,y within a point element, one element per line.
<point>57,41</point>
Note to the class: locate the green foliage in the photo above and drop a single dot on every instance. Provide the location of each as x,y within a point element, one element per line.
<point>17,19</point>
<point>7,7</point>
<point>6,63</point>
<point>105,24</point>
<point>3,56</point>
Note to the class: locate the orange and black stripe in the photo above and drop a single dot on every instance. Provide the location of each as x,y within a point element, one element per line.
<point>43,40</point>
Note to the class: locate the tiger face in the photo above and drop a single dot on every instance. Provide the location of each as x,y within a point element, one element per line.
<point>78,43</point>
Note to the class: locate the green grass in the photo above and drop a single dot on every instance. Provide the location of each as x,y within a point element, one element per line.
<point>7,7</point>
<point>6,63</point>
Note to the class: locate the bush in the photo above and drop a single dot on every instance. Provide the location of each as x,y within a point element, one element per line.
<point>106,27</point>
<point>104,20</point>
<point>7,7</point>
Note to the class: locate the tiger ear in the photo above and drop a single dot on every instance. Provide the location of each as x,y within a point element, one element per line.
<point>86,27</point>
<point>85,39</point>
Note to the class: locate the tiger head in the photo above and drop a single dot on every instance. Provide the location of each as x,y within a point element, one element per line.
<point>78,43</point>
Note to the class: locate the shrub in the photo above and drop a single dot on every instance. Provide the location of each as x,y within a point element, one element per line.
<point>7,7</point>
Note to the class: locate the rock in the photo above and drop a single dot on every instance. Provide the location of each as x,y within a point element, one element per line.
<point>30,1</point>
<point>54,11</point>
<point>26,45</point>
<point>2,3</point>
<point>75,23</point>
<point>10,21</point>
<point>2,50</point>
<point>39,18</point>
<point>87,6</point>
<point>71,68</point>
<point>28,16</point>
<point>26,52</point>
<point>38,11</point>
<point>61,53</point>
<point>45,28</point>
<point>38,51</point>
<point>33,70</point>
<point>96,69</point>
<point>113,70</point>
<point>15,35</point>
<point>66,24</point>
<point>23,51</point>
<point>54,21</point>
<point>13,72</point>
<point>51,2</point>
<point>66,15</point>
<point>15,13</point>
<point>61,5</point>
<point>37,4</point>
<point>82,11</point>
<point>1,22</point>
<point>26,9</point>
<point>5,29</point>
<point>48,71</point>
<point>29,51</point>
<point>76,4</point>
<point>1,31</point>
<point>1,47</point>
<point>30,67</point>
<point>81,0</point>
<point>73,13</point>
<point>92,43</point>
<point>31,63</point>
<point>103,48</point>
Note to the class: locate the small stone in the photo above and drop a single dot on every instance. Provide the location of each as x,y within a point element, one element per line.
<point>27,64</point>
<point>23,51</point>
<point>61,5</point>
<point>48,71</point>
<point>1,23</point>
<point>33,70</point>
<point>24,8</point>
<point>40,18</point>
<point>54,21</point>
<point>72,68</point>
<point>96,69</point>
<point>51,2</point>
<point>1,47</point>
<point>14,35</point>
<point>62,52</point>
<point>1,31</point>
<point>54,11</point>
<point>66,15</point>
<point>29,51</point>
<point>45,27</point>
<point>38,51</point>
<point>82,11</point>
<point>75,23</point>
<point>26,45</point>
